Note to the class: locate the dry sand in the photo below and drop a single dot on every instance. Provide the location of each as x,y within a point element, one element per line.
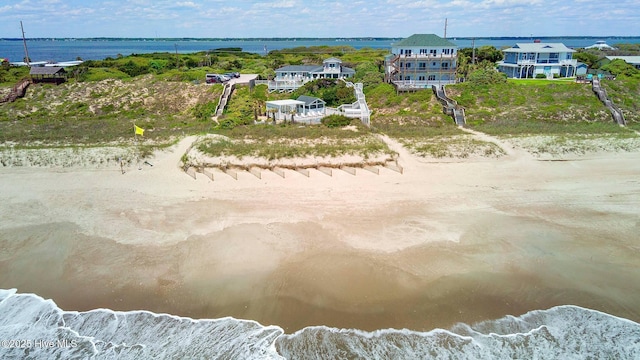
<point>438,244</point>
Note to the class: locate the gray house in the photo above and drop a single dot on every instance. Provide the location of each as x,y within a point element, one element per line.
<point>420,61</point>
<point>526,60</point>
<point>291,77</point>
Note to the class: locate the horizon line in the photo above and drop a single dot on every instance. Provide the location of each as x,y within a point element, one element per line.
<point>313,38</point>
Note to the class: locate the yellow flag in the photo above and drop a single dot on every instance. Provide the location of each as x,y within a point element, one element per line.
<point>138,130</point>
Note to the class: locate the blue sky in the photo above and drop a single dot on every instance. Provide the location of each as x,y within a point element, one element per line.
<point>318,18</point>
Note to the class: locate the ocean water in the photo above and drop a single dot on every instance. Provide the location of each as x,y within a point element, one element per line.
<point>34,328</point>
<point>98,49</point>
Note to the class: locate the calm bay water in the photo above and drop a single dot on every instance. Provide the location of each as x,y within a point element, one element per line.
<point>98,49</point>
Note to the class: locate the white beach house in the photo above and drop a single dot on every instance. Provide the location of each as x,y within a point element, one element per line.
<point>526,60</point>
<point>420,61</point>
<point>291,77</point>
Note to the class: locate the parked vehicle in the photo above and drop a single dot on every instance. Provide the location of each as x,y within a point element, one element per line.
<point>216,79</point>
<point>232,74</point>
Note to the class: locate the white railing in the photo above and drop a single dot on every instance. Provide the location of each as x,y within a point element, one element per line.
<point>428,56</point>
<point>358,109</point>
<point>571,62</point>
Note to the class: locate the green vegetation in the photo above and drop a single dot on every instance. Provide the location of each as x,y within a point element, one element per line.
<point>74,113</point>
<point>625,93</point>
<point>333,121</point>
<point>533,107</point>
<point>164,94</point>
<point>291,140</point>
<point>333,91</point>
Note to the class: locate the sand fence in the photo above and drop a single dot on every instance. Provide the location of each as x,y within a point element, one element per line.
<point>194,162</point>
<point>235,171</point>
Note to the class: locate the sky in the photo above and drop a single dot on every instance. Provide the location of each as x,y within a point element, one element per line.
<point>317,18</point>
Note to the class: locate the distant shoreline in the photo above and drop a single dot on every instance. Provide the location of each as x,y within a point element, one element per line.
<point>363,38</point>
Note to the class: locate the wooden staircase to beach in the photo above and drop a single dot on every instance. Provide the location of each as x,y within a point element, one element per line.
<point>224,98</point>
<point>602,95</point>
<point>17,91</point>
<point>450,106</point>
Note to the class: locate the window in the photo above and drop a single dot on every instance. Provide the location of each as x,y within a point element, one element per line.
<point>407,52</point>
<point>408,65</point>
<point>446,51</point>
<point>432,77</point>
<point>421,78</point>
<point>407,77</point>
<point>433,52</point>
<point>422,65</point>
<point>445,65</point>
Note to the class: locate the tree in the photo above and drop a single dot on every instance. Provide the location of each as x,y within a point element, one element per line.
<point>482,54</point>
<point>586,57</point>
<point>619,67</point>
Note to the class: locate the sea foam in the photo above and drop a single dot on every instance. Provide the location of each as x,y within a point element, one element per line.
<point>35,328</point>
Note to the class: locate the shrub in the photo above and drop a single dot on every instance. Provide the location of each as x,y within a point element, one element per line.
<point>486,76</point>
<point>541,76</point>
<point>333,121</point>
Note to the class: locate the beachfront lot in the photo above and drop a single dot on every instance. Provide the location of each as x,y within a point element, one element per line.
<point>443,242</point>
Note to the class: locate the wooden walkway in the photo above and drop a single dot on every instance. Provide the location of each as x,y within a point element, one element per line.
<point>602,95</point>
<point>450,106</point>
<point>18,91</point>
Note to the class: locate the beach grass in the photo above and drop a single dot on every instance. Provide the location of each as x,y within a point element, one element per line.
<point>104,111</point>
<point>534,107</point>
<point>295,140</point>
<point>625,93</point>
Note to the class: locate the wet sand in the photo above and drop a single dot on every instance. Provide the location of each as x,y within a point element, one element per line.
<point>441,243</point>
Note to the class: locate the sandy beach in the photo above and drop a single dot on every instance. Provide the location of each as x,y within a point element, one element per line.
<point>441,243</point>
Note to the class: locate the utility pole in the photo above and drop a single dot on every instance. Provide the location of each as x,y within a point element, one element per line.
<point>177,56</point>
<point>24,41</point>
<point>445,27</point>
<point>473,53</point>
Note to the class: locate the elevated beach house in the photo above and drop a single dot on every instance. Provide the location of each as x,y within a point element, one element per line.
<point>526,60</point>
<point>420,61</point>
<point>291,77</point>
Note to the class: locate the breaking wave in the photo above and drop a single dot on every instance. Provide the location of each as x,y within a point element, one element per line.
<point>32,327</point>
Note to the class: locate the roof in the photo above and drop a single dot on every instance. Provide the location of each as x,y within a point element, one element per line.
<point>634,60</point>
<point>308,100</point>
<point>46,70</point>
<point>307,68</point>
<point>312,69</point>
<point>425,40</point>
<point>332,59</point>
<point>539,48</point>
<point>600,45</point>
<point>284,102</point>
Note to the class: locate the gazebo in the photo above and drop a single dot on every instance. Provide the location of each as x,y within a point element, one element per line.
<point>48,74</point>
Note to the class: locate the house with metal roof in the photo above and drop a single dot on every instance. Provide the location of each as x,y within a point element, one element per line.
<point>527,60</point>
<point>291,77</point>
<point>421,61</point>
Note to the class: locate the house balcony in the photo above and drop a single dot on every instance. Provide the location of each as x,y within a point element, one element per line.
<point>569,62</point>
<point>427,56</point>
